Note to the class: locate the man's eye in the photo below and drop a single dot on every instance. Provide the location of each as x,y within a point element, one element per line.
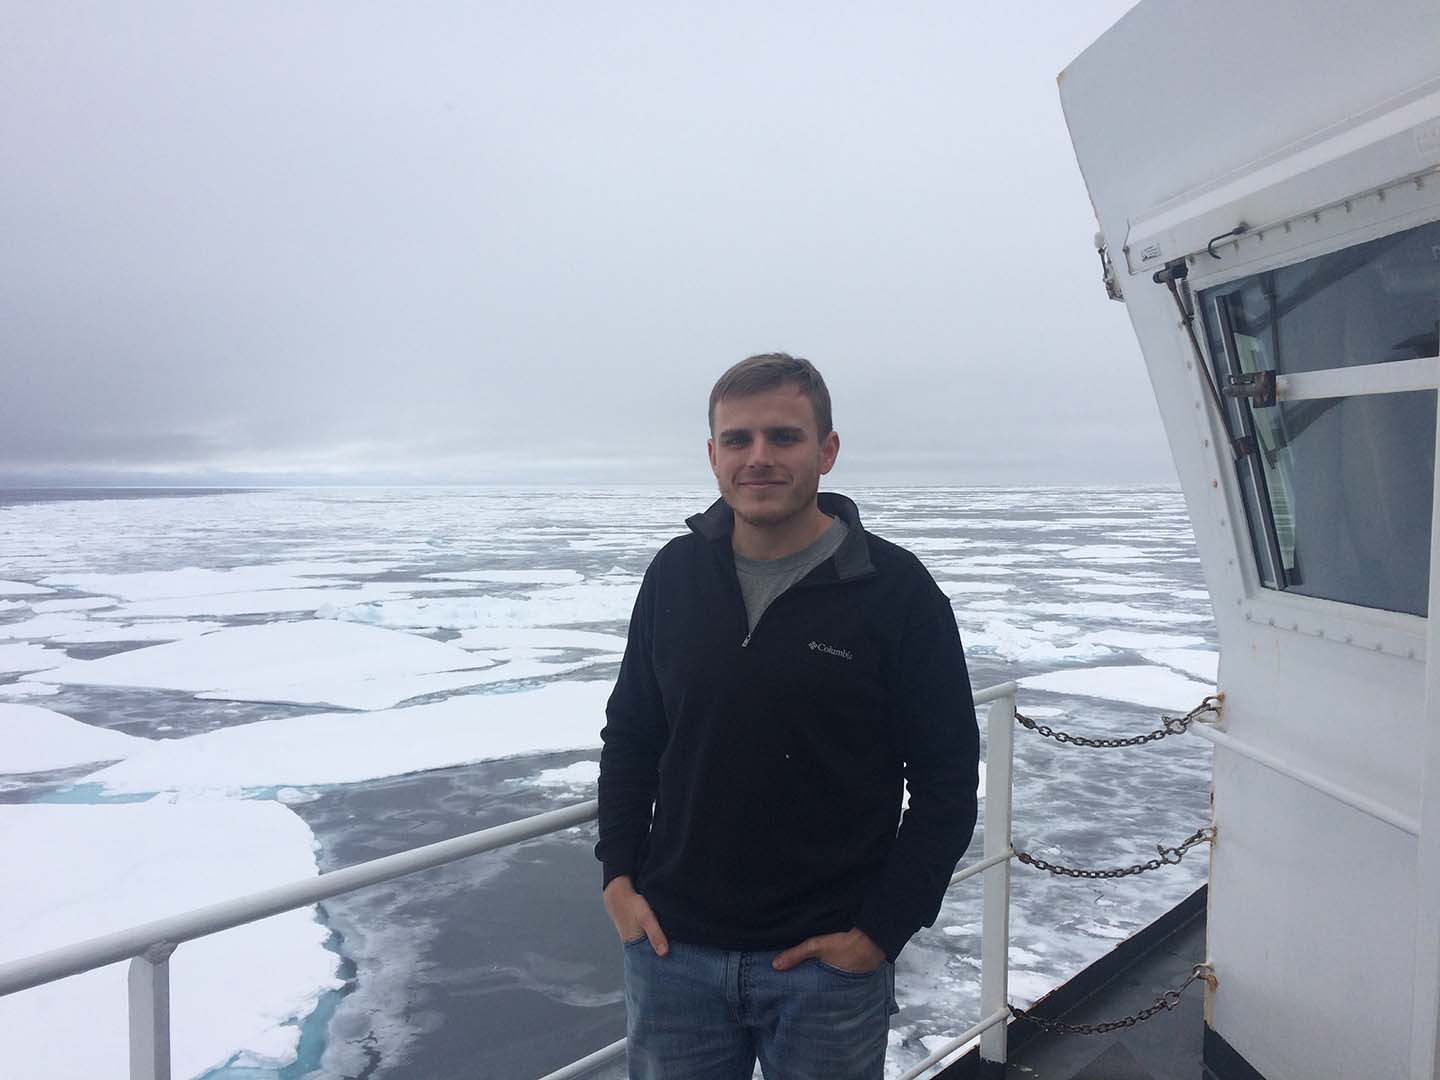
<point>785,437</point>
<point>733,440</point>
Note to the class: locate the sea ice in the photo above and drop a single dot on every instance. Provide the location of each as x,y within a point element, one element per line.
<point>1141,684</point>
<point>83,603</point>
<point>346,748</point>
<point>1106,553</point>
<point>566,605</point>
<point>1100,588</point>
<point>1029,645</point>
<point>1198,662</point>
<point>26,657</point>
<point>504,637</point>
<point>94,870</point>
<point>189,581</point>
<point>514,577</point>
<point>314,661</point>
<point>953,589</point>
<point>22,588</point>
<point>24,688</point>
<point>14,605</point>
<point>580,774</point>
<point>33,739</point>
<point>1130,639</point>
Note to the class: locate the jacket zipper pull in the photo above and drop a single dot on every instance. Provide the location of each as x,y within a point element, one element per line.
<point>746,643</point>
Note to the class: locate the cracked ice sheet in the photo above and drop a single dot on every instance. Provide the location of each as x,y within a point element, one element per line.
<point>500,637</point>
<point>92,870</point>
<point>198,581</point>
<point>513,577</point>
<point>26,657</point>
<point>346,748</point>
<point>564,606</point>
<point>78,631</point>
<point>274,601</point>
<point>310,662</point>
<point>1197,662</point>
<point>1142,684</point>
<point>22,588</point>
<point>33,739</point>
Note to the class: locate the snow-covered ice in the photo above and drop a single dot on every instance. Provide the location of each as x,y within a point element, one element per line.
<point>314,661</point>
<point>1142,684</point>
<point>505,637</point>
<point>27,657</point>
<point>93,870</point>
<point>1197,662</point>
<point>346,748</point>
<point>514,577</point>
<point>22,588</point>
<point>33,739</point>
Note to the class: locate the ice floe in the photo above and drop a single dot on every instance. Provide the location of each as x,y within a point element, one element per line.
<point>513,577</point>
<point>24,688</point>
<point>1154,687</point>
<point>93,870</point>
<point>83,603</point>
<point>188,581</point>
<point>1197,662</point>
<point>22,588</point>
<point>1132,639</point>
<point>346,748</point>
<point>503,637</point>
<point>563,606</point>
<point>27,657</point>
<point>310,662</point>
<point>33,739</point>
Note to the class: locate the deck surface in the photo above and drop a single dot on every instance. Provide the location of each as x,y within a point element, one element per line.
<point>1166,1047</point>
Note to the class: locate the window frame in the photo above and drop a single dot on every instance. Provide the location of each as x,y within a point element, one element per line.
<point>1312,236</point>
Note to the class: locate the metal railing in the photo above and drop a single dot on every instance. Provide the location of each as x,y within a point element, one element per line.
<point>149,946</point>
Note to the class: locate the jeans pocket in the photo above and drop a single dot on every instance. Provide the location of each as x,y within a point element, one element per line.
<point>858,975</point>
<point>635,941</point>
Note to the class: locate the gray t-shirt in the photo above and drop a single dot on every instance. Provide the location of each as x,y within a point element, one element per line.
<point>762,580</point>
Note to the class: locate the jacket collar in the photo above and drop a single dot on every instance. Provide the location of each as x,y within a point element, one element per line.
<point>852,560</point>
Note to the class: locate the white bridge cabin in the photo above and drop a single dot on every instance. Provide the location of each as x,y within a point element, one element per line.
<point>1267,175</point>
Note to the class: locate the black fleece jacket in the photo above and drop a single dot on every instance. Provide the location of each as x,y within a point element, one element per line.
<point>750,783</point>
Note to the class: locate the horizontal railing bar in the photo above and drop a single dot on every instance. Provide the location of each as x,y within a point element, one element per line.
<point>1394,377</point>
<point>996,692</point>
<point>1350,798</point>
<point>997,1017</point>
<point>73,959</point>
<point>980,867</point>
<point>585,1064</point>
<point>97,952</point>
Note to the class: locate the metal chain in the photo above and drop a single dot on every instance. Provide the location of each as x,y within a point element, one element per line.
<point>1168,857</point>
<point>1165,1002</point>
<point>1172,725</point>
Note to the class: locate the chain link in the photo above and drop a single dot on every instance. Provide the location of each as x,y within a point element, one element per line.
<point>1172,725</point>
<point>1165,1002</point>
<point>1168,857</point>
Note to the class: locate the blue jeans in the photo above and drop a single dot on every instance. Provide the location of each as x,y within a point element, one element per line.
<point>707,1014</point>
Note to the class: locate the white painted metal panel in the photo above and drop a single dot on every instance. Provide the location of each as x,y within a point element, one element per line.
<point>1313,903</point>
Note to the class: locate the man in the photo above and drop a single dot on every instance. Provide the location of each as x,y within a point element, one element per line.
<point>787,674</point>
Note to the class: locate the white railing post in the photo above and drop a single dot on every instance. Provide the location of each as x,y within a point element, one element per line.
<point>995,931</point>
<point>150,1014</point>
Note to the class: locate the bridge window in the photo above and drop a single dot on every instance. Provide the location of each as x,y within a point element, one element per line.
<point>1337,490</point>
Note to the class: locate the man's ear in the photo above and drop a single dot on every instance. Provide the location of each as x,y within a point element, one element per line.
<point>829,451</point>
<point>710,450</point>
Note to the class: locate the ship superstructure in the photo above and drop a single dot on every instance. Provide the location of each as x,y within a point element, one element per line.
<point>1266,179</point>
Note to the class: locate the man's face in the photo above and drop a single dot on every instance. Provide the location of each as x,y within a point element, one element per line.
<point>767,455</point>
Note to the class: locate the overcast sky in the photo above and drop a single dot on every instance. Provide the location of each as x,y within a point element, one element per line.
<point>453,242</point>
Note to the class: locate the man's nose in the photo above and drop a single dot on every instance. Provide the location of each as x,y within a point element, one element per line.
<point>761,452</point>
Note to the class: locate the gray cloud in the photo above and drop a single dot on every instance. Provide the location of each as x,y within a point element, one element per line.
<point>447,241</point>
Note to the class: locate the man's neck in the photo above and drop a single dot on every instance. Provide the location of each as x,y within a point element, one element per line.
<point>776,541</point>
